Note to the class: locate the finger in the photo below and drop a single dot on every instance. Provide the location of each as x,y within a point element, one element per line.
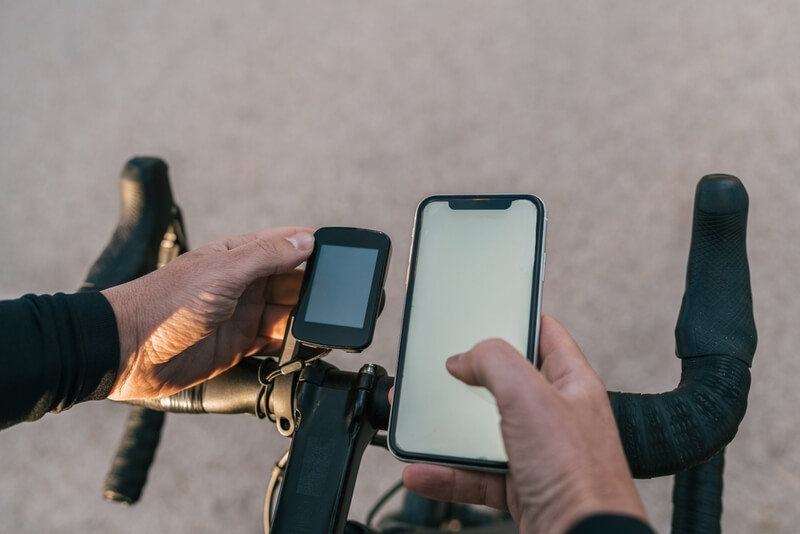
<point>559,354</point>
<point>492,364</point>
<point>503,359</point>
<point>236,241</point>
<point>512,379</point>
<point>284,288</point>
<point>273,328</point>
<point>271,251</point>
<point>456,485</point>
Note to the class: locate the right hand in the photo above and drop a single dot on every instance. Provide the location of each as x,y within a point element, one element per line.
<point>565,457</point>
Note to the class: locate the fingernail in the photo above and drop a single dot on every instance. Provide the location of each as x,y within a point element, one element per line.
<point>455,359</point>
<point>302,241</point>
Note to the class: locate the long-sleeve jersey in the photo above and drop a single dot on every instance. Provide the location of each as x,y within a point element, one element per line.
<point>55,351</point>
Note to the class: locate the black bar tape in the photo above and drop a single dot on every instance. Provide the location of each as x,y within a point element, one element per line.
<point>128,473</point>
<point>146,213</point>
<point>697,497</point>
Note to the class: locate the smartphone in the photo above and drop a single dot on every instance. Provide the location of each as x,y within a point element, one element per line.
<point>475,272</point>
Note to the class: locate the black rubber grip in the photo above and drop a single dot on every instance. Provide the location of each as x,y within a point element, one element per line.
<point>146,213</point>
<point>716,339</point>
<point>716,315</point>
<point>128,473</point>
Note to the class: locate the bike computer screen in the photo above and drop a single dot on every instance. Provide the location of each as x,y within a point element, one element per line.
<point>341,294</point>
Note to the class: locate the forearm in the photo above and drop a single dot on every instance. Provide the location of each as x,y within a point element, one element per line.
<point>56,351</point>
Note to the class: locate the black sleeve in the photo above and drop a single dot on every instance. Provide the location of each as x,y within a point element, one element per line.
<point>56,351</point>
<point>618,524</point>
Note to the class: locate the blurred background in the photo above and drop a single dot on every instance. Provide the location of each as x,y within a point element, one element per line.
<point>349,113</point>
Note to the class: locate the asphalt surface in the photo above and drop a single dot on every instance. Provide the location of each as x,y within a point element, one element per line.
<point>350,113</point>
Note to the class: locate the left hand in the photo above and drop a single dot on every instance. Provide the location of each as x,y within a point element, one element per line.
<point>206,310</point>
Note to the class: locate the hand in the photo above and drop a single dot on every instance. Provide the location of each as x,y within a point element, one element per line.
<point>206,310</point>
<point>565,457</point>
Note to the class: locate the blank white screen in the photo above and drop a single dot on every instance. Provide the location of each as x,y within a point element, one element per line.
<point>473,281</point>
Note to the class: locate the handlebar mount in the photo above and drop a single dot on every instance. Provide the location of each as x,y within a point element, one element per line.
<point>341,413</point>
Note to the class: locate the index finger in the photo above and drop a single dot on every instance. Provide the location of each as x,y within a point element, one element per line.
<point>456,485</point>
<point>559,354</point>
<point>284,288</point>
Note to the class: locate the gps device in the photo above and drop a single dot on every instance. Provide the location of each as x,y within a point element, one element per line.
<point>342,290</point>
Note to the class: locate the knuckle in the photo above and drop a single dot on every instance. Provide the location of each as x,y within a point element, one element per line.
<point>595,387</point>
<point>587,387</point>
<point>269,248</point>
<point>492,345</point>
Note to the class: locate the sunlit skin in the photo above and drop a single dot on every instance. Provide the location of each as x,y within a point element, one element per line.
<point>277,332</point>
<point>206,310</point>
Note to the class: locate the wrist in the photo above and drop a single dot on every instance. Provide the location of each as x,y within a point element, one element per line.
<point>123,302</point>
<point>579,499</point>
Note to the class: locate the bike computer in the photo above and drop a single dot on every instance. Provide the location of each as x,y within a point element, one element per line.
<point>340,298</point>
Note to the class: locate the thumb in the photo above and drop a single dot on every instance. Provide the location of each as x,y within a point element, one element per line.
<point>500,368</point>
<point>268,252</point>
<point>561,360</point>
<point>497,366</point>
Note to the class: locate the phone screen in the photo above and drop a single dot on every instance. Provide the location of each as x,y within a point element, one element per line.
<point>475,274</point>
